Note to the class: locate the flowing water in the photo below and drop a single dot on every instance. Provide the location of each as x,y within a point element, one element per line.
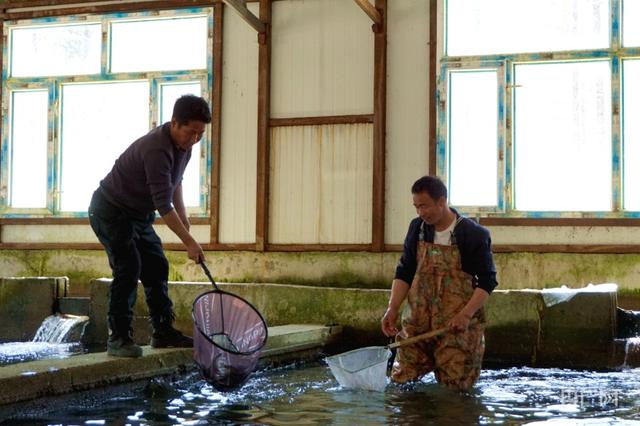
<point>57,337</point>
<point>308,394</point>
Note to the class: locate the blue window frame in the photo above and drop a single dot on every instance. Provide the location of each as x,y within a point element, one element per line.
<point>536,105</point>
<point>78,90</point>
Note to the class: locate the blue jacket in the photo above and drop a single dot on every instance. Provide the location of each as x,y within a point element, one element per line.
<point>473,241</point>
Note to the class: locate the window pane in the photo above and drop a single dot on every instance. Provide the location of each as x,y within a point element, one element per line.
<point>99,121</point>
<point>478,27</point>
<point>473,138</point>
<point>159,45</point>
<point>563,137</point>
<point>630,19</point>
<point>29,149</point>
<point>631,134</point>
<point>191,179</point>
<point>57,50</point>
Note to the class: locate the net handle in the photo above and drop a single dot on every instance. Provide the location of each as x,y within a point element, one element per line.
<point>418,338</point>
<point>424,336</point>
<point>208,274</point>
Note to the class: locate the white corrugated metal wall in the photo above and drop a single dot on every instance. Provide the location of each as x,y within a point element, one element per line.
<point>322,65</point>
<point>321,184</point>
<point>407,111</point>
<point>238,153</point>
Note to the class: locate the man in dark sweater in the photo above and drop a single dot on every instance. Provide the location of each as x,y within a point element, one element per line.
<point>145,178</point>
<point>446,273</point>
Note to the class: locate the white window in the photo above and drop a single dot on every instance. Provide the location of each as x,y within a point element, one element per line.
<point>55,50</point>
<point>80,93</point>
<point>191,181</point>
<point>538,100</point>
<point>119,114</point>
<point>28,148</point>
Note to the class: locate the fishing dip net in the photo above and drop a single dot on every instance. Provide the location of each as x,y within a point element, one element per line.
<point>227,337</point>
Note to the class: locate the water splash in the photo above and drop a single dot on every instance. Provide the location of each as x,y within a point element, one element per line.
<point>631,353</point>
<point>58,337</point>
<point>60,328</point>
<point>14,352</point>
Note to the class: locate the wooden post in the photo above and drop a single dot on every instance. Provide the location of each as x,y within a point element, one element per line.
<point>2,41</point>
<point>216,124</point>
<point>264,101</point>
<point>379,128</point>
<point>433,49</point>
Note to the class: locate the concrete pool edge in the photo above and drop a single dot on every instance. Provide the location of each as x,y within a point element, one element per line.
<point>30,380</point>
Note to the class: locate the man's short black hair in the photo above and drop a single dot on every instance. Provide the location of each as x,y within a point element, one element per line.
<point>432,185</point>
<point>191,108</point>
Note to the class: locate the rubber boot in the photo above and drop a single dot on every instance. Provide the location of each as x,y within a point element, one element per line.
<point>120,341</point>
<point>165,336</point>
<point>123,346</point>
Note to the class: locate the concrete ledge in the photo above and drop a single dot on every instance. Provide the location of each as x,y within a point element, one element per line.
<point>74,305</point>
<point>513,319</point>
<point>31,380</point>
<point>578,333</point>
<point>522,329</point>
<point>287,339</point>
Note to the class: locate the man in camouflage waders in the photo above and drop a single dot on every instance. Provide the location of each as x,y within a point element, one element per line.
<point>446,273</point>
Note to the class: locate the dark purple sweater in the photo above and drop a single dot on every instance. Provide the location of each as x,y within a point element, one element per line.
<point>147,173</point>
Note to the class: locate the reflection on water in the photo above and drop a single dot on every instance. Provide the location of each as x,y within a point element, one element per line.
<point>310,395</point>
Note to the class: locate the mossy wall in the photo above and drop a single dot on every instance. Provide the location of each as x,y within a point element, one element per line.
<point>349,269</point>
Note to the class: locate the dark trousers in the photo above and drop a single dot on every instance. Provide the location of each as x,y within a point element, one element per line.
<point>135,253</point>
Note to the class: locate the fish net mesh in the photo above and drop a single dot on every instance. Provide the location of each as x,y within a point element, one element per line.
<point>227,338</point>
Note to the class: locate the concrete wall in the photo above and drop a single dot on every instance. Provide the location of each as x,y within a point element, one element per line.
<point>523,328</point>
<point>357,310</point>
<point>25,303</point>
<point>358,270</point>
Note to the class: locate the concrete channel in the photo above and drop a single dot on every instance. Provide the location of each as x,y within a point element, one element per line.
<point>564,328</point>
<point>36,379</point>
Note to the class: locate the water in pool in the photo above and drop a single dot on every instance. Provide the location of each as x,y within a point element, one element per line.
<point>308,394</point>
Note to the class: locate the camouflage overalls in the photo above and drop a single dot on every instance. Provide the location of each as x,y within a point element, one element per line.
<point>440,289</point>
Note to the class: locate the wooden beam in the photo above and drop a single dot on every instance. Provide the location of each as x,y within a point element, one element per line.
<point>578,221</point>
<point>74,221</point>
<point>433,50</point>
<point>567,248</point>
<point>379,129</point>
<point>323,120</point>
<point>264,133</point>
<point>551,248</point>
<point>318,247</point>
<point>216,127</point>
<point>370,10</point>
<point>499,248</point>
<point>63,8</point>
<point>98,246</point>
<point>240,7</point>
<point>40,3</point>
